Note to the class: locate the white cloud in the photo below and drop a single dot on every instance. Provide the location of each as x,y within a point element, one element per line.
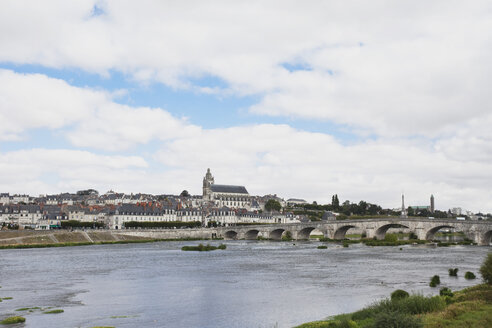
<point>89,118</point>
<point>40,171</point>
<point>421,69</point>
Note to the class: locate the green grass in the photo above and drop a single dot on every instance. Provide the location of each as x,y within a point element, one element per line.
<point>203,248</point>
<point>316,236</point>
<point>12,320</point>
<point>470,308</point>
<point>54,311</point>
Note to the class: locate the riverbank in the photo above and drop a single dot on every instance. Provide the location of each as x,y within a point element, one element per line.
<point>470,307</point>
<point>61,238</point>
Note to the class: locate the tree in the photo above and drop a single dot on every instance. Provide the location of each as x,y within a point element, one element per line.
<point>273,205</point>
<point>486,269</point>
<point>335,202</point>
<point>185,193</point>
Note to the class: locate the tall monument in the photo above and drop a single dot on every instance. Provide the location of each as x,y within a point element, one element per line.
<point>403,209</point>
<point>432,204</point>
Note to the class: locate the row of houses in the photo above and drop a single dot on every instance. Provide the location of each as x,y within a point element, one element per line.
<point>44,217</point>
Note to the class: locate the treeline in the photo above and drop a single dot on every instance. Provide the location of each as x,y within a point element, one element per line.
<point>168,224</point>
<point>80,224</point>
<point>347,208</point>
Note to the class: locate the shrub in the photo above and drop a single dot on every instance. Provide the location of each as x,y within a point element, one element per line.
<point>469,275</point>
<point>486,269</point>
<point>12,320</point>
<point>396,319</point>
<point>287,236</point>
<point>435,281</point>
<point>391,237</point>
<point>222,246</point>
<point>399,294</point>
<point>453,272</point>
<point>445,291</point>
<point>413,236</point>
<point>322,247</point>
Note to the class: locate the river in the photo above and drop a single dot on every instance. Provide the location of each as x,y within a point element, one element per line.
<point>250,284</point>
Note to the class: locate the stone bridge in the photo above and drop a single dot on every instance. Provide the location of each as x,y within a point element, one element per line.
<point>478,231</point>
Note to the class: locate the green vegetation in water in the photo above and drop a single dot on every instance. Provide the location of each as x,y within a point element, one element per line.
<point>435,280</point>
<point>28,308</point>
<point>6,298</point>
<point>13,320</point>
<point>453,272</point>
<point>322,247</point>
<point>203,248</point>
<point>54,311</point>
<point>469,275</point>
<point>103,327</point>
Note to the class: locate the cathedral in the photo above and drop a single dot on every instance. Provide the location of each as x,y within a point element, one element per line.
<point>224,195</point>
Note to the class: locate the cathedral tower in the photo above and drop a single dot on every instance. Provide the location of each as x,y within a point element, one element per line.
<point>208,181</point>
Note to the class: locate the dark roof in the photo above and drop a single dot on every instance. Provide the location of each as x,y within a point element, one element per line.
<point>229,189</point>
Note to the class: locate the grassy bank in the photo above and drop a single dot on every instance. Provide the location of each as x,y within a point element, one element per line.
<point>69,244</point>
<point>470,307</point>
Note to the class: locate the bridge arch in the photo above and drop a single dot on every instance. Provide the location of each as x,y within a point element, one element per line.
<point>432,232</point>
<point>251,234</point>
<point>276,234</point>
<point>340,232</point>
<point>231,234</point>
<point>304,233</point>
<point>381,231</point>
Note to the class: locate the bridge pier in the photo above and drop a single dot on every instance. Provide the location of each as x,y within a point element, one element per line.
<point>370,232</point>
<point>421,233</point>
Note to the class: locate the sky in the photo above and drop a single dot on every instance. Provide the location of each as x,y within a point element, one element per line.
<point>364,99</point>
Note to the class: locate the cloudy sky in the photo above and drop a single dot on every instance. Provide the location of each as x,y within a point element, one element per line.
<point>366,99</point>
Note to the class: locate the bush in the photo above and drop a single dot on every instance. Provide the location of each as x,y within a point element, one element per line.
<point>486,269</point>
<point>287,236</point>
<point>453,272</point>
<point>391,237</point>
<point>399,294</point>
<point>322,247</point>
<point>396,320</point>
<point>469,275</point>
<point>435,281</point>
<point>445,291</point>
<point>12,320</point>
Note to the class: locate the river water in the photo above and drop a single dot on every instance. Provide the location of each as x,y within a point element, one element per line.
<point>250,284</point>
